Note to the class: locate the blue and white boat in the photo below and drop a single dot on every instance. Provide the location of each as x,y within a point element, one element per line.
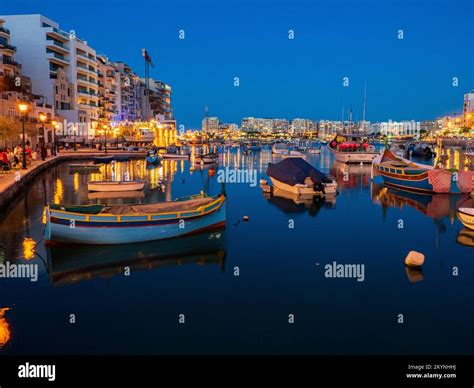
<point>153,158</point>
<point>122,224</point>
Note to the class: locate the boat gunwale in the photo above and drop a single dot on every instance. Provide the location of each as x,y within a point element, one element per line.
<point>220,198</point>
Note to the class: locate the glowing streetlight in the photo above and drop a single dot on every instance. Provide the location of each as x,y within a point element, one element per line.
<point>42,118</point>
<point>23,107</point>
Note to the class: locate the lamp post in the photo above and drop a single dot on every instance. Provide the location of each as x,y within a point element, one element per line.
<point>55,128</point>
<point>42,117</point>
<point>23,107</point>
<point>105,138</point>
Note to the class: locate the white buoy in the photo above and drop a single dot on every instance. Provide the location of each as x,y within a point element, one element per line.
<point>245,218</point>
<point>415,259</point>
<point>361,164</point>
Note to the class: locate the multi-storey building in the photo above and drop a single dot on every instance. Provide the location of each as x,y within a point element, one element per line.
<point>156,100</point>
<point>109,90</point>
<point>129,108</point>
<point>281,125</point>
<point>210,125</point>
<point>303,126</point>
<point>469,109</point>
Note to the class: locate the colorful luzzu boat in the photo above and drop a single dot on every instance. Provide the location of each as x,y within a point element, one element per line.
<point>121,224</point>
<point>404,174</point>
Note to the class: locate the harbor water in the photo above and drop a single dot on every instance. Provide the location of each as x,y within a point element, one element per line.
<point>268,285</point>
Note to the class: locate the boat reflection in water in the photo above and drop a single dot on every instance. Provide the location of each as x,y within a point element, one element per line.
<point>294,203</point>
<point>466,237</point>
<point>435,206</point>
<point>68,265</point>
<point>351,176</point>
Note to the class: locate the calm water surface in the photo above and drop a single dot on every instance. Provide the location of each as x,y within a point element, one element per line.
<point>281,271</point>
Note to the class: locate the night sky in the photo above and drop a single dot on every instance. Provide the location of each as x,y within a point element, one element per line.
<point>408,78</point>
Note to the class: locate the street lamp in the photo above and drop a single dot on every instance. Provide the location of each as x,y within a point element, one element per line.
<point>23,107</point>
<point>55,125</point>
<point>42,117</point>
<point>105,138</point>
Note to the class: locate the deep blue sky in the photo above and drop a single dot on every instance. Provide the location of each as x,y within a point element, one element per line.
<point>407,79</point>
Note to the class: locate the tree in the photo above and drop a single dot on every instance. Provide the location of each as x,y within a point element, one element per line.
<point>8,129</point>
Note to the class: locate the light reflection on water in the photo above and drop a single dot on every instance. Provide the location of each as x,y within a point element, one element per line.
<point>278,274</point>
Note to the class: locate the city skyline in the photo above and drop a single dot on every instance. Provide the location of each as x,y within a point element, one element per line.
<point>409,78</point>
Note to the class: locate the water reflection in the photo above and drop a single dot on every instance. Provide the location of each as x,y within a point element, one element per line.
<point>292,203</point>
<point>68,266</point>
<point>351,176</point>
<point>435,206</point>
<point>466,237</point>
<point>5,332</point>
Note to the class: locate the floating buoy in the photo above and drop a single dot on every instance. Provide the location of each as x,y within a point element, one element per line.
<point>212,172</point>
<point>245,218</point>
<point>414,259</point>
<point>263,182</point>
<point>266,188</point>
<point>361,164</point>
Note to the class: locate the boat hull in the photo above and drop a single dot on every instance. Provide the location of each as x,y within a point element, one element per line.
<point>466,218</point>
<point>75,228</point>
<point>298,190</point>
<point>116,186</point>
<point>353,157</point>
<point>175,156</point>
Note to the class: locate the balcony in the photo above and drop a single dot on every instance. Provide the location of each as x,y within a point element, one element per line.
<point>7,46</point>
<point>11,62</point>
<point>57,46</point>
<point>85,70</point>
<point>57,58</point>
<point>57,34</point>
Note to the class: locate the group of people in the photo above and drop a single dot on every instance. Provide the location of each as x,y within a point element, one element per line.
<point>12,158</point>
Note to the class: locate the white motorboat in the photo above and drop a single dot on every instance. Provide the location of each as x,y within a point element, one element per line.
<point>279,149</point>
<point>352,148</point>
<point>115,185</point>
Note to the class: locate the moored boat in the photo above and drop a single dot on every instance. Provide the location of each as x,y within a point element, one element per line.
<point>172,152</point>
<point>115,185</point>
<point>84,167</point>
<point>153,159</point>
<point>466,216</point>
<point>121,224</point>
<point>297,176</point>
<point>352,148</point>
<point>206,159</point>
<point>279,149</point>
<point>407,175</point>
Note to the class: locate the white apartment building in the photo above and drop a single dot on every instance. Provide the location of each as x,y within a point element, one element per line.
<point>210,124</point>
<point>397,128</point>
<point>302,126</point>
<point>469,108</point>
<point>62,67</point>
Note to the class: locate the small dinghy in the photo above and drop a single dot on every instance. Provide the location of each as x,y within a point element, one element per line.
<point>172,152</point>
<point>115,185</point>
<point>466,216</point>
<point>297,176</point>
<point>206,159</point>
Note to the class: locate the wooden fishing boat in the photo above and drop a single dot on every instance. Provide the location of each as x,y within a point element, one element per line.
<point>352,148</point>
<point>122,224</point>
<point>115,185</point>
<point>407,175</point>
<point>466,216</point>
<point>298,177</point>
<point>84,167</point>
